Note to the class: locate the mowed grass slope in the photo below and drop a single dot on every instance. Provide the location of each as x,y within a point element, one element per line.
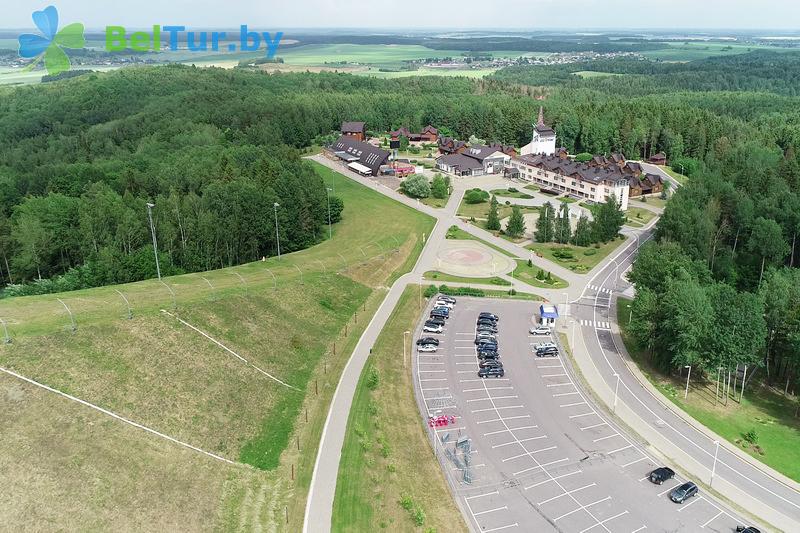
<point>161,373</point>
<point>387,460</point>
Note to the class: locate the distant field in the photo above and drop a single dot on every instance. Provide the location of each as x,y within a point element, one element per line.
<point>378,55</point>
<point>699,50</point>
<point>594,74</point>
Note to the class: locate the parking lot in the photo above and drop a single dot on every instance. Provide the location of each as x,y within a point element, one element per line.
<point>528,450</point>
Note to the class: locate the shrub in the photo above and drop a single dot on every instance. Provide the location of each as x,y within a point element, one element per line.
<point>431,290</point>
<point>416,186</point>
<point>751,436</point>
<point>513,189</point>
<point>373,378</point>
<point>476,196</point>
<point>583,157</point>
<point>530,263</point>
<point>590,251</point>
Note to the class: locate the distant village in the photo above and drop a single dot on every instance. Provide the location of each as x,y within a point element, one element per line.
<point>489,61</point>
<point>540,162</point>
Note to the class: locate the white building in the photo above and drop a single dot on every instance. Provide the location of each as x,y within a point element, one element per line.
<point>543,140</point>
<point>474,161</point>
<point>582,180</point>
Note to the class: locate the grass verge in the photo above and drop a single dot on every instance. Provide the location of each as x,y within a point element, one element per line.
<point>386,447</point>
<point>435,275</point>
<point>638,217</point>
<point>579,259</point>
<point>511,194</point>
<point>531,274</point>
<point>768,414</point>
<point>454,232</point>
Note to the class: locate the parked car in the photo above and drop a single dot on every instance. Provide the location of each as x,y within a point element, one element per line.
<point>427,340</point>
<point>543,345</point>
<point>484,327</point>
<point>547,352</point>
<point>494,372</point>
<point>747,529</point>
<point>490,316</point>
<point>432,328</point>
<point>426,348</point>
<point>435,320</point>
<point>488,354</point>
<point>660,475</point>
<point>487,345</point>
<point>540,330</point>
<point>446,298</point>
<point>439,314</point>
<point>442,309</point>
<point>486,363</point>
<point>484,335</point>
<point>684,492</point>
<point>442,303</point>
<point>486,321</point>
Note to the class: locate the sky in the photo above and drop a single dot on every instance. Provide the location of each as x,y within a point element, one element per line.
<point>462,14</point>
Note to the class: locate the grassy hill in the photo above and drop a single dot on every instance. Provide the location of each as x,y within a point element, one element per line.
<point>66,466</point>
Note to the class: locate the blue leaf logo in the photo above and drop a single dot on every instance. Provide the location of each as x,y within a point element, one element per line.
<point>48,46</point>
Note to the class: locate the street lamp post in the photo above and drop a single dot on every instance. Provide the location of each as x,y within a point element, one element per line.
<point>566,302</point>
<point>686,394</point>
<point>330,231</point>
<point>714,467</point>
<point>616,392</point>
<point>404,347</point>
<point>153,232</point>
<point>275,206</point>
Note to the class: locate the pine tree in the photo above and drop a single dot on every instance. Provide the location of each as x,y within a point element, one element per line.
<point>516,224</point>
<point>493,219</point>
<point>583,232</point>
<point>608,220</point>
<point>563,231</point>
<point>544,225</point>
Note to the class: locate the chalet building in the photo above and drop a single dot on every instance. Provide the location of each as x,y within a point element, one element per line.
<point>543,140</point>
<point>659,159</point>
<point>507,149</point>
<point>474,161</point>
<point>448,145</point>
<point>359,156</point>
<point>595,183</point>
<point>646,184</point>
<point>428,134</point>
<point>357,130</point>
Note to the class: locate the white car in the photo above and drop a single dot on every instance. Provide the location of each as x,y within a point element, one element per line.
<point>544,345</point>
<point>433,329</point>
<point>426,348</point>
<point>442,303</point>
<point>540,330</point>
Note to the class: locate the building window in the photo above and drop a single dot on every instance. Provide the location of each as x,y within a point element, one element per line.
<point>593,189</point>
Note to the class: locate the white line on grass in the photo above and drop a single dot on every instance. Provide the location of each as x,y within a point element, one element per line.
<point>114,415</point>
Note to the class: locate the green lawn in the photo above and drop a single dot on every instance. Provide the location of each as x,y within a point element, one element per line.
<point>161,373</point>
<point>532,187</point>
<point>454,232</point>
<point>763,410</point>
<point>583,258</point>
<point>435,202</point>
<point>481,210</point>
<point>651,200</point>
<point>526,273</point>
<point>638,217</point>
<point>434,275</point>
<point>595,74</point>
<point>677,176</point>
<point>511,194</point>
<point>386,452</point>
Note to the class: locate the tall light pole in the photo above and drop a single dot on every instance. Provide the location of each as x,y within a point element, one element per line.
<point>153,232</point>
<point>714,467</point>
<point>566,302</point>
<point>275,206</point>
<point>616,392</point>
<point>330,231</point>
<point>686,394</point>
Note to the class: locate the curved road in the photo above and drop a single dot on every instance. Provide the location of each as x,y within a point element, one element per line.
<point>601,357</point>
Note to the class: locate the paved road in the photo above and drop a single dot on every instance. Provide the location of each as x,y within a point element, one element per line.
<point>540,456</point>
<point>736,475</point>
<point>762,493</point>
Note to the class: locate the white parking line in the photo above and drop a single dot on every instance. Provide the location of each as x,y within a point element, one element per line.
<point>572,404</point>
<point>634,462</point>
<point>640,529</point>
<point>566,493</point>
<point>431,371</point>
<point>542,466</point>
<point>620,449</point>
<point>492,398</point>
<point>583,508</point>
<point>600,523</point>
<point>528,454</point>
<point>607,437</point>
<point>486,388</point>
<point>565,394</point>
<point>714,518</point>
<point>561,384</point>
<point>583,414</point>
<point>670,489</point>
<point>436,388</point>
<point>500,528</point>
<point>481,495</point>
<point>433,379</point>
<point>480,379</point>
<point>518,441</point>
<point>492,408</point>
<point>505,507</point>
<point>594,426</point>
<point>697,499</point>
<point>507,430</point>
<point>553,479</point>
<point>553,375</point>
<point>550,366</point>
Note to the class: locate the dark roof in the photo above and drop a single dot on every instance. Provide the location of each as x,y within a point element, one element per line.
<point>430,129</point>
<point>541,129</point>
<point>402,130</point>
<point>481,151</point>
<point>582,171</point>
<point>505,148</point>
<point>353,127</point>
<point>460,160</point>
<point>617,157</point>
<point>368,155</point>
<point>450,143</point>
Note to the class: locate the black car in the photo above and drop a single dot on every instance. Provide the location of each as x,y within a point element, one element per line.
<point>490,316</point>
<point>483,356</point>
<point>491,372</point>
<point>660,475</point>
<point>435,320</point>
<point>547,352</point>
<point>487,321</point>
<point>684,492</point>
<point>448,299</point>
<point>486,327</point>
<point>747,529</point>
<point>439,314</point>
<point>490,363</point>
<point>427,340</point>
<point>487,346</point>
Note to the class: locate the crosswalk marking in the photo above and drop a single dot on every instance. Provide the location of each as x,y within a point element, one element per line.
<point>600,289</point>
<point>596,324</point>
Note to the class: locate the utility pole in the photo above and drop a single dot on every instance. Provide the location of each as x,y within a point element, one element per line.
<point>330,230</point>
<point>686,394</point>
<point>714,467</point>
<point>616,392</point>
<point>153,231</point>
<point>275,206</point>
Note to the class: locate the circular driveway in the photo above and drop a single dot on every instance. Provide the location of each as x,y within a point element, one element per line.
<point>471,259</point>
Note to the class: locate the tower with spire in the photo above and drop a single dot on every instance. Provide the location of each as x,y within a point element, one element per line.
<point>543,140</point>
